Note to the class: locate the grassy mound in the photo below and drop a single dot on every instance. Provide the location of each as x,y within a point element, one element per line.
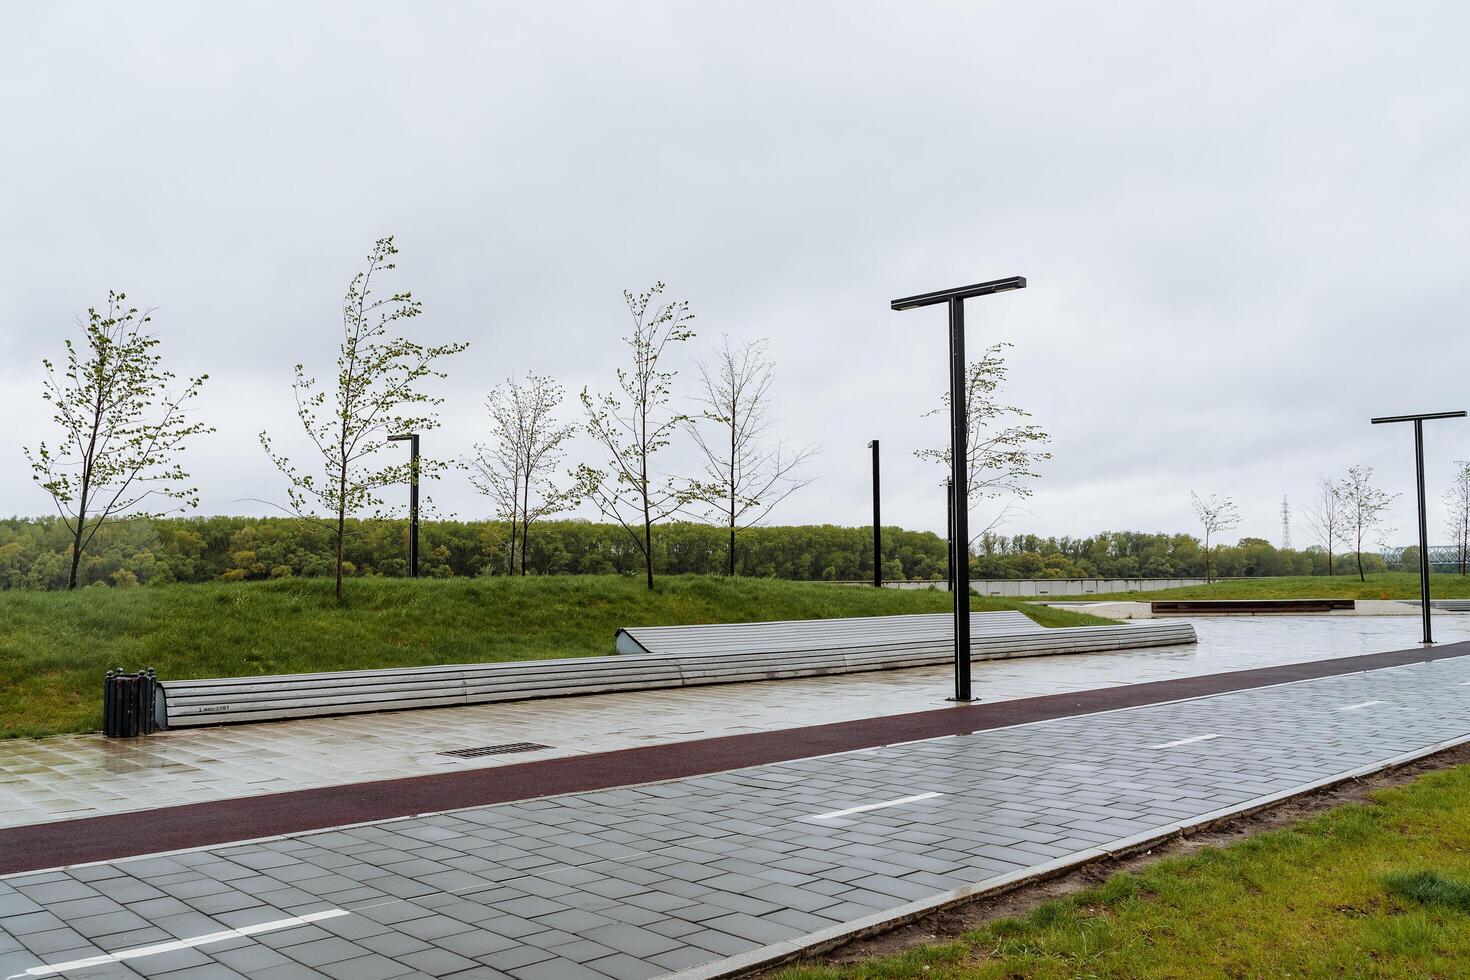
<point>56,646</point>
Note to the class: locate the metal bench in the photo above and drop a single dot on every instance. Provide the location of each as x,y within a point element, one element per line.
<point>240,699</point>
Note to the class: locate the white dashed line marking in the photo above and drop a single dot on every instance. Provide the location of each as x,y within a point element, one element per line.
<point>46,970</point>
<point>873,806</point>
<point>1360,704</point>
<point>1184,741</point>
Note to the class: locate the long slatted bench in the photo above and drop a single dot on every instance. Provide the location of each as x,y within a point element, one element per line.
<point>240,699</point>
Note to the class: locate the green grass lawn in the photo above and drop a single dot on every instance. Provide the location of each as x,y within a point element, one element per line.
<point>1380,889</point>
<point>1382,585</point>
<point>56,646</point>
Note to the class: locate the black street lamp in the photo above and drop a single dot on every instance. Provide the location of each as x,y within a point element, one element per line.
<point>412,438</point>
<point>949,528</point>
<point>1418,421</point>
<point>877,524</point>
<point>959,458</point>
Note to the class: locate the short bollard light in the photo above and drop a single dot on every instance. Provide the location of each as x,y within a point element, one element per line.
<point>127,703</point>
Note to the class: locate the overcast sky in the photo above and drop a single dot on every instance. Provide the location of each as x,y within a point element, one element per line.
<point>1244,225</point>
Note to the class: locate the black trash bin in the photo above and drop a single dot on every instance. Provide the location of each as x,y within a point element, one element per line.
<point>127,703</point>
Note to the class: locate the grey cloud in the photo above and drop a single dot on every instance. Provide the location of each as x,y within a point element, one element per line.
<point>1244,225</point>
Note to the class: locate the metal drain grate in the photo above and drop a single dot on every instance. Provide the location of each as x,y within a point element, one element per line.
<point>505,749</point>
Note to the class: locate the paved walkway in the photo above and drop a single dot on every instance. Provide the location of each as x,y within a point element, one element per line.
<point>81,776</point>
<point>646,880</point>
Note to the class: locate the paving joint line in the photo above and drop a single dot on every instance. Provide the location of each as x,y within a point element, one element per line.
<point>822,940</point>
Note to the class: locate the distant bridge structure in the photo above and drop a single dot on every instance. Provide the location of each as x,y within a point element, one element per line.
<point>1442,557</point>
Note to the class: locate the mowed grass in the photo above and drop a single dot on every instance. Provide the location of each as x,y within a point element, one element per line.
<point>55,647</point>
<point>1381,585</point>
<point>1380,889</point>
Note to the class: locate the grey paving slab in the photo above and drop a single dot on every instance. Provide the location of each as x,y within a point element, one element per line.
<point>645,880</point>
<point>85,775</point>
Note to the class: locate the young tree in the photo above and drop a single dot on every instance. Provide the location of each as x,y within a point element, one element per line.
<point>635,422</point>
<point>1002,452</point>
<point>1215,514</point>
<point>1363,505</point>
<point>122,431</point>
<point>495,468</point>
<point>747,476</point>
<point>1457,502</point>
<point>1325,517</point>
<point>376,394</point>
<point>526,445</point>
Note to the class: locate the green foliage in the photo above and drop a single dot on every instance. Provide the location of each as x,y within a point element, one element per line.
<point>122,431</point>
<point>631,425</point>
<point>376,395</point>
<point>33,551</point>
<point>55,647</point>
<point>1363,508</point>
<point>1131,554</point>
<point>34,554</point>
<point>1003,453</point>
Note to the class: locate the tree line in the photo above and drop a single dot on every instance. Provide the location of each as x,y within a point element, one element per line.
<point>35,553</point>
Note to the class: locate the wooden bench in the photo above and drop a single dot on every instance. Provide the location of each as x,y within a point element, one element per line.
<point>915,644</point>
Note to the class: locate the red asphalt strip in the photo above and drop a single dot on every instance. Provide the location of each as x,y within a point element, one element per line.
<point>50,845</point>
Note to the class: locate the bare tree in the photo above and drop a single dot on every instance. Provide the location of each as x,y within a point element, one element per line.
<point>634,423</point>
<point>1325,517</point>
<point>1363,506</point>
<point>495,467</point>
<point>1215,514</point>
<point>122,431</point>
<point>376,394</point>
<point>1457,501</point>
<point>1002,452</point>
<point>526,445</point>
<point>746,474</point>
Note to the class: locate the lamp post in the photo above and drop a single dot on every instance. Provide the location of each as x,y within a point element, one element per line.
<point>877,523</point>
<point>412,438</point>
<point>949,535</point>
<point>1418,421</point>
<point>959,458</point>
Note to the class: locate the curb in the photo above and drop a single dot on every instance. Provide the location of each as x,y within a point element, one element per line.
<point>822,940</point>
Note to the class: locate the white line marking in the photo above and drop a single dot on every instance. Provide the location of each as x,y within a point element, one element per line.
<point>45,970</point>
<point>873,806</point>
<point>1360,704</point>
<point>1184,741</point>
